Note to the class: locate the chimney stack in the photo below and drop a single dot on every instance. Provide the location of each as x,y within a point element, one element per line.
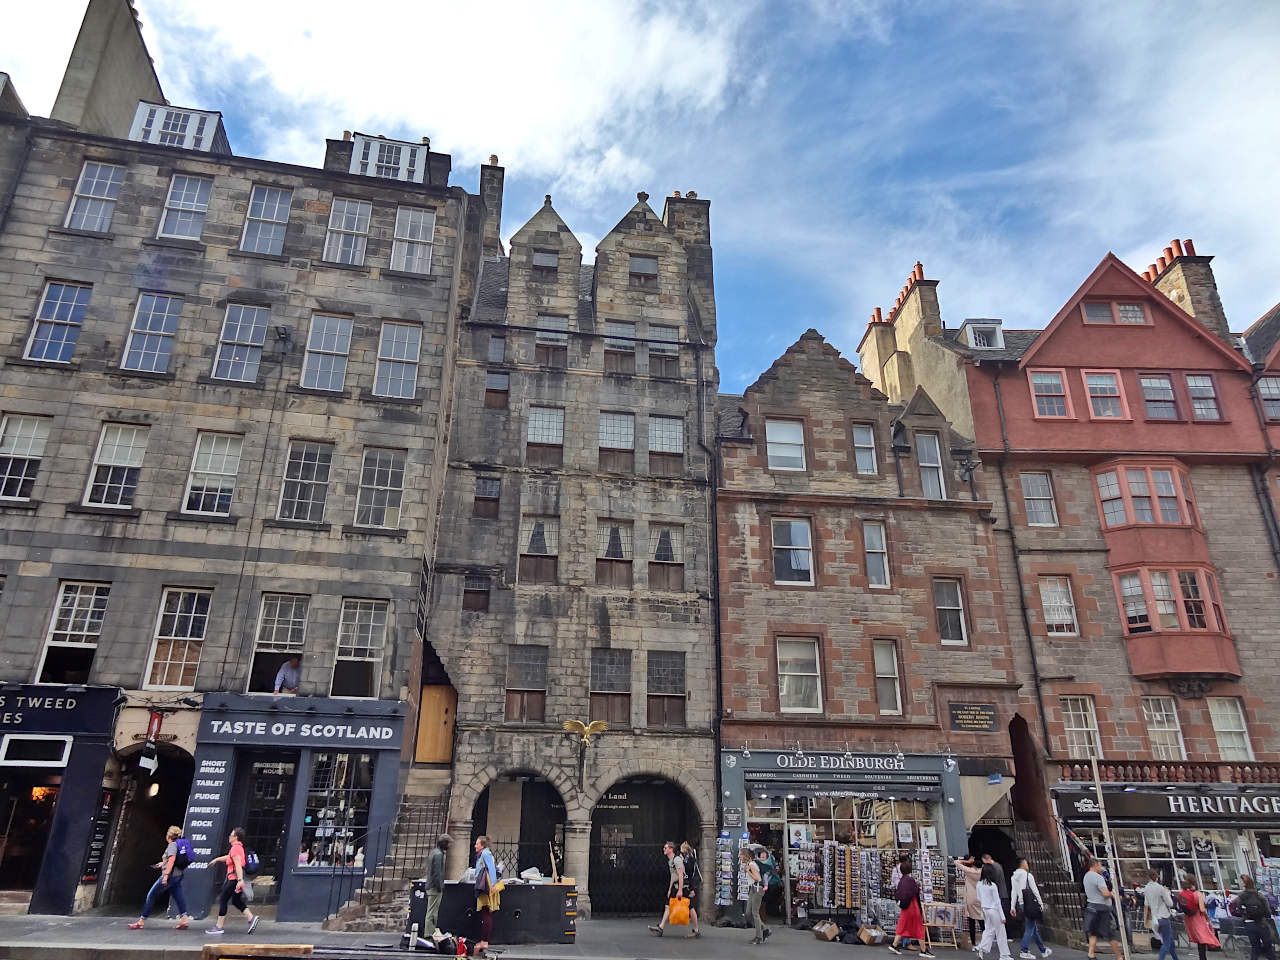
<point>1188,281</point>
<point>491,180</point>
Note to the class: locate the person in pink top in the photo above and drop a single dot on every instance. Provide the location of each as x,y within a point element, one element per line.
<point>233,886</point>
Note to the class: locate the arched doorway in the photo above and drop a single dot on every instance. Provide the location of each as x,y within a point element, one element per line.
<point>630,823</point>
<point>523,816</point>
<point>151,805</point>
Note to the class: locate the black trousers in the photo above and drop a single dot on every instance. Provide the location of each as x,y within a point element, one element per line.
<point>230,895</point>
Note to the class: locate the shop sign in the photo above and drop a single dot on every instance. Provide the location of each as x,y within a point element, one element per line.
<point>1172,804</point>
<point>974,717</point>
<point>210,796</point>
<point>837,761</point>
<point>98,838</point>
<point>348,732</point>
<point>148,761</point>
<point>732,817</point>
<point>47,708</point>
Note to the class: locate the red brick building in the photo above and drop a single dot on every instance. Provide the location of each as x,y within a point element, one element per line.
<point>868,680</point>
<point>1129,451</point>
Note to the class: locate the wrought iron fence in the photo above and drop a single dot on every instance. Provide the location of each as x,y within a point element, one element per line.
<point>394,852</point>
<point>512,858</point>
<point>628,879</point>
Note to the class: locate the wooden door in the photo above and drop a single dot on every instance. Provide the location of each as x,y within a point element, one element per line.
<point>436,714</point>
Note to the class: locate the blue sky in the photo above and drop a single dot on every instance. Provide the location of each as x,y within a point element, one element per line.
<point>1007,146</point>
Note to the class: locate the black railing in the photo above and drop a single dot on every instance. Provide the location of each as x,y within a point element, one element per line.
<point>395,852</point>
<point>514,857</point>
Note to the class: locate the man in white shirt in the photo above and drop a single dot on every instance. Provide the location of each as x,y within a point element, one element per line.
<point>1025,902</point>
<point>1159,909</point>
<point>289,676</point>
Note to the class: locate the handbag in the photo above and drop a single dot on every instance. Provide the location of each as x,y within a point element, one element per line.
<point>1031,907</point>
<point>482,878</point>
<point>678,915</point>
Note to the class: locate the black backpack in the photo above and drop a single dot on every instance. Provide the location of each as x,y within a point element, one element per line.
<point>692,875</point>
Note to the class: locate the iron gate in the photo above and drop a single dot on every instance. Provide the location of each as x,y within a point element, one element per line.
<point>628,879</point>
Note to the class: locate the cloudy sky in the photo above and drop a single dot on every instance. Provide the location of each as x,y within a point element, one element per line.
<point>1007,146</point>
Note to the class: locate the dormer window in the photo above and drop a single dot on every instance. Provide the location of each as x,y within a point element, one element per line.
<point>982,335</point>
<point>643,269</point>
<point>178,127</point>
<point>389,159</point>
<point>546,260</point>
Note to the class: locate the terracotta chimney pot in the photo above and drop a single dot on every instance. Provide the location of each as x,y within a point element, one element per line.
<point>1151,269</point>
<point>1177,248</point>
<point>1162,262</point>
<point>1168,254</point>
<point>1189,247</point>
<point>878,315</point>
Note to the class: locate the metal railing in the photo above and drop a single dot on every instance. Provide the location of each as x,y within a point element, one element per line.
<point>628,879</point>
<point>395,852</point>
<point>513,857</point>
<point>1171,771</point>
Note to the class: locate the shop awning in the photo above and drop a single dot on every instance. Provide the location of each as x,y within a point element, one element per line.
<point>980,795</point>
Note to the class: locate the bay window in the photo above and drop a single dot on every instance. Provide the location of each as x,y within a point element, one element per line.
<point>1167,599</point>
<point>1144,494</point>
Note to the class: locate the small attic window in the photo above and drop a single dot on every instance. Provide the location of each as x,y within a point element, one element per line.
<point>546,259</point>
<point>984,336</point>
<point>176,127</point>
<point>388,159</point>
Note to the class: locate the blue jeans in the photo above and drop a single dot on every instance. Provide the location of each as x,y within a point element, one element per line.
<point>1031,931</point>
<point>1164,930</point>
<point>174,890</point>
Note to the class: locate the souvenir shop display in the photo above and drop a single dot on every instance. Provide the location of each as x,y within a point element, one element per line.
<point>726,854</point>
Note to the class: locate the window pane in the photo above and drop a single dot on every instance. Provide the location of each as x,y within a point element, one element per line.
<point>666,435</point>
<point>610,670</point>
<point>1037,497</point>
<point>864,448</point>
<point>381,488</point>
<point>798,687</point>
<point>1104,394</point>
<point>211,485</point>
<point>617,431</point>
<point>1051,397</point>
<point>58,321</point>
<point>240,344</point>
<point>784,440</point>
<point>546,425</point>
<point>306,482</point>
<point>22,444</point>
<point>1098,312</point>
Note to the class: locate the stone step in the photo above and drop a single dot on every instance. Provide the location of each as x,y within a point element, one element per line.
<point>14,902</point>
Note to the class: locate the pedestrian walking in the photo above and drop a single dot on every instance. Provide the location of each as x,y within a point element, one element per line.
<point>1252,907</point>
<point>1099,912</point>
<point>993,933</point>
<point>755,892</point>
<point>771,879</point>
<point>435,882</point>
<point>897,871</point>
<point>233,886</point>
<point>972,905</point>
<point>1195,918</point>
<point>1158,907</point>
<point>675,888</point>
<point>911,919</point>
<point>692,884</point>
<point>487,894</point>
<point>175,860</point>
<point>1025,901</point>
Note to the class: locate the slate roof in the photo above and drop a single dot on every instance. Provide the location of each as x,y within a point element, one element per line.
<point>729,419</point>
<point>1262,336</point>
<point>491,293</point>
<point>1016,343</point>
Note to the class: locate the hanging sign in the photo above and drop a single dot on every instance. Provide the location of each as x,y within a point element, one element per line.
<point>148,761</point>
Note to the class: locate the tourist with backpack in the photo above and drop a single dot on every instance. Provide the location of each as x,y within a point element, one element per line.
<point>177,857</point>
<point>236,885</point>
<point>1253,909</point>
<point>692,884</point>
<point>771,883</point>
<point>1195,918</point>
<point>1025,902</point>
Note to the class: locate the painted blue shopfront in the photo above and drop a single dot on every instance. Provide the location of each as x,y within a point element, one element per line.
<point>313,780</point>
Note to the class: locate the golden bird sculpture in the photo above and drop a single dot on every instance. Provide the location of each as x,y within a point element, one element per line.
<point>585,730</point>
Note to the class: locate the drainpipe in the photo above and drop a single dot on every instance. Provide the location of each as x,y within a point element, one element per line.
<point>713,478</point>
<point>1259,472</point>
<point>1017,567</point>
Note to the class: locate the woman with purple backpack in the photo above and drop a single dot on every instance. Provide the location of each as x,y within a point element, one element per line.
<point>177,857</point>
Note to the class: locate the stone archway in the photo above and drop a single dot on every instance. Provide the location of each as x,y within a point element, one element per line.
<point>631,819</point>
<point>523,815</point>
<point>471,799</point>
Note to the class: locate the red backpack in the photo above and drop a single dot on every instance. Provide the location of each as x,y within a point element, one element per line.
<point>1189,901</point>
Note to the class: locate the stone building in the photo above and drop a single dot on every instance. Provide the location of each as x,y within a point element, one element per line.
<point>868,675</point>
<point>223,408</point>
<point>573,575</point>
<point>1126,446</point>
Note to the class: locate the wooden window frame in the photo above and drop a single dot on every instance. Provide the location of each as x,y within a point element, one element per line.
<point>1119,394</point>
<point>1064,381</point>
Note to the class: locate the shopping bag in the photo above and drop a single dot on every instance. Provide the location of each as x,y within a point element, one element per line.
<point>679,912</point>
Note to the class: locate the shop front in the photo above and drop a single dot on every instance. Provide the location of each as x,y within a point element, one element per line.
<point>1214,832</point>
<point>313,783</point>
<point>55,740</point>
<point>843,820</point>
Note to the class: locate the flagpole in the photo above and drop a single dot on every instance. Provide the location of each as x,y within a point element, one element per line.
<point>1117,888</point>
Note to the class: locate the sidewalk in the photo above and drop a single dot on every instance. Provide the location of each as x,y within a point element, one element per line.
<point>108,938</point>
